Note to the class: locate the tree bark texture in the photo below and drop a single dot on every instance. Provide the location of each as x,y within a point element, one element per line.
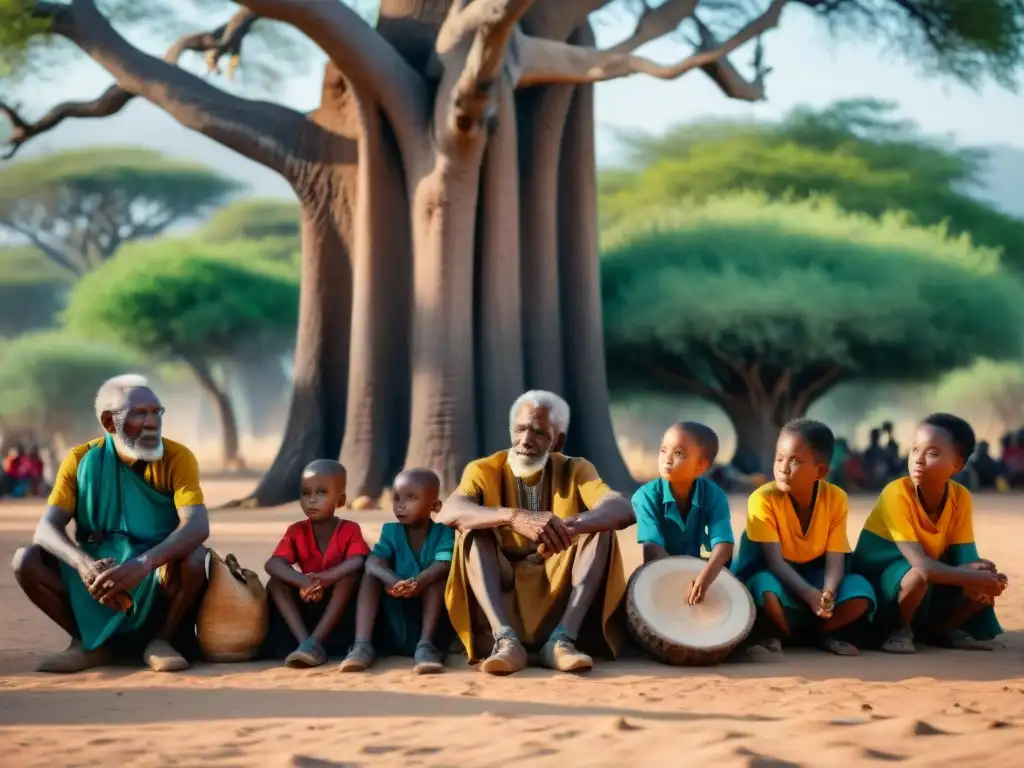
<point>448,190</point>
<point>471,274</point>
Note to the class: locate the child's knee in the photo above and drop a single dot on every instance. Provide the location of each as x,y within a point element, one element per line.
<point>277,587</point>
<point>914,582</point>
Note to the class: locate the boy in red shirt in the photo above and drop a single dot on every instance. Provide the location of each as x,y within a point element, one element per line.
<point>314,572</point>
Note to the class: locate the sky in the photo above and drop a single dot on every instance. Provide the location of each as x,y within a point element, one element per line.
<point>809,67</point>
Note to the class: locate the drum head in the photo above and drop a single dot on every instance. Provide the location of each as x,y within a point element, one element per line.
<point>659,593</point>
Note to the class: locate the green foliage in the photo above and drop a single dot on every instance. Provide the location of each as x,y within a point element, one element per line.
<point>259,228</point>
<point>140,175</point>
<point>32,291</point>
<point>179,299</point>
<point>81,206</point>
<point>799,285</point>
<point>855,151</point>
<point>998,387</point>
<point>49,379</point>
<point>253,219</point>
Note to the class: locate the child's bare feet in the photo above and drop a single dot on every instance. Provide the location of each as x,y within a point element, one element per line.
<point>429,660</point>
<point>359,658</point>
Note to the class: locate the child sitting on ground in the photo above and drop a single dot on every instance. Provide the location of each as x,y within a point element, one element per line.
<point>682,510</point>
<point>410,563</point>
<point>793,554</point>
<point>917,549</point>
<point>308,605</point>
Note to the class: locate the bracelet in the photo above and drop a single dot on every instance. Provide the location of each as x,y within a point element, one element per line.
<point>515,514</point>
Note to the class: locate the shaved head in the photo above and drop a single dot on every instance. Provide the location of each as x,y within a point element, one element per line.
<point>424,478</point>
<point>324,467</point>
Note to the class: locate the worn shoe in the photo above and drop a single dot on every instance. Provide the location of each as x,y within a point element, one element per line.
<point>429,660</point>
<point>562,655</point>
<point>160,656</point>
<point>507,657</point>
<point>309,654</point>
<point>359,658</point>
<point>74,659</point>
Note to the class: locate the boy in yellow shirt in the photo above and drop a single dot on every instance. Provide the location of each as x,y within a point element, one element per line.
<point>918,550</point>
<point>793,554</point>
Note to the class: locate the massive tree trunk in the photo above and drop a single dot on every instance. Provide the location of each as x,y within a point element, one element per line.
<point>449,222</point>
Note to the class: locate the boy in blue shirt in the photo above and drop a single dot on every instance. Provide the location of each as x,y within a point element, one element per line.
<point>682,510</point>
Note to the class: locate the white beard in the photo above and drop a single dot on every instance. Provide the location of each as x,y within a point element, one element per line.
<point>132,450</point>
<point>522,468</point>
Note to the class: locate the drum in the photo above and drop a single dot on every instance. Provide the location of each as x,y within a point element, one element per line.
<point>675,633</point>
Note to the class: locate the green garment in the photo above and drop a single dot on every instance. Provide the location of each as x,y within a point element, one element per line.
<point>400,622</point>
<point>882,563</point>
<point>118,515</point>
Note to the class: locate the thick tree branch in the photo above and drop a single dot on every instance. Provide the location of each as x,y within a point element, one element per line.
<point>816,387</point>
<point>224,40</point>
<point>365,58</point>
<point>492,24</point>
<point>656,22</point>
<point>547,61</point>
<point>727,77</point>
<point>263,132</point>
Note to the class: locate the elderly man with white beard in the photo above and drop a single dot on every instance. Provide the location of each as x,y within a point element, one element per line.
<point>536,563</point>
<point>131,579</point>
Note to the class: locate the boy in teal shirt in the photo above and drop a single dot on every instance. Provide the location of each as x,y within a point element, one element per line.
<point>410,564</point>
<point>682,510</point>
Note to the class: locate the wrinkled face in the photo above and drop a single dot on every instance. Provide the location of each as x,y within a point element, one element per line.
<point>933,458</point>
<point>320,495</point>
<point>796,469</point>
<point>533,438</point>
<point>680,458</point>
<point>138,429</point>
<point>413,501</point>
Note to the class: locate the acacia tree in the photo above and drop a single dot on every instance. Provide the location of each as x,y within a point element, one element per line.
<point>997,387</point>
<point>763,307</point>
<point>79,207</point>
<point>49,380</point>
<point>177,301</point>
<point>447,181</point>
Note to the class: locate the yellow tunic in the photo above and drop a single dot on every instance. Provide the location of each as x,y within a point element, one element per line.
<point>771,518</point>
<point>177,473</point>
<point>540,590</point>
<point>899,516</point>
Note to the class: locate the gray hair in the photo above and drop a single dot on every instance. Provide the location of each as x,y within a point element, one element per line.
<point>557,408</point>
<point>112,396</point>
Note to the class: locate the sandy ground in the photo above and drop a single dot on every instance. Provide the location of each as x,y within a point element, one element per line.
<point>808,709</point>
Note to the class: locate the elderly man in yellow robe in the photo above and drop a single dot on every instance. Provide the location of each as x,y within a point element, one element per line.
<point>536,562</point>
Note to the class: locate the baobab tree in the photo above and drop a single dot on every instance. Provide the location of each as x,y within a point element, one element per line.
<point>447,183</point>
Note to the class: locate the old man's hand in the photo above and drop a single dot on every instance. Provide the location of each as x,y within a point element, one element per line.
<point>544,528</point>
<point>121,578</point>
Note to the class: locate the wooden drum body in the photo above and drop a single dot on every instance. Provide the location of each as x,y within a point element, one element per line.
<point>675,633</point>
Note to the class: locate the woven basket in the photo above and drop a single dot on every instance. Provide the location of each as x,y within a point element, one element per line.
<point>233,617</point>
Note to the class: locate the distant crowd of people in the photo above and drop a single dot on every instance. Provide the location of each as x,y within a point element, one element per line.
<point>21,475</point>
<point>882,462</point>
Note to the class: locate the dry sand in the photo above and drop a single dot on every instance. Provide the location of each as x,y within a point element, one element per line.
<point>809,709</point>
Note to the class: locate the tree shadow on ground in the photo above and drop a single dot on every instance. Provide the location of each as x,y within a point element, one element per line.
<point>136,706</point>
